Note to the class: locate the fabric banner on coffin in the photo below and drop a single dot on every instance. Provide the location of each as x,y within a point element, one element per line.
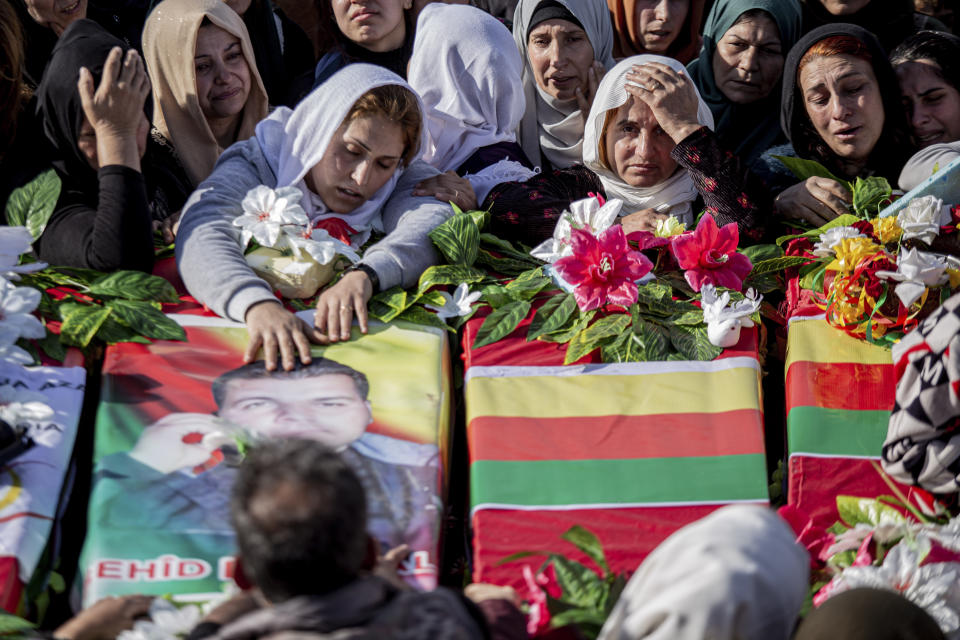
<point>32,485</point>
<point>839,393</point>
<point>159,509</point>
<point>631,451</point>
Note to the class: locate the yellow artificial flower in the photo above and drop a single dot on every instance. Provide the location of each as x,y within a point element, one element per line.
<point>954,275</point>
<point>851,252</point>
<point>887,229</point>
<point>669,227</point>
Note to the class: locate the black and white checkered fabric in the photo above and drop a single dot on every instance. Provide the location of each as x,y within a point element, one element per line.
<point>923,438</point>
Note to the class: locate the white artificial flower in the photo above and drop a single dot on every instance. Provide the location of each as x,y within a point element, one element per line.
<point>19,406</point>
<point>724,320</point>
<point>831,238</point>
<point>916,270</point>
<point>15,241</point>
<point>266,211</point>
<point>172,620</point>
<point>16,318</point>
<point>669,227</point>
<point>459,304</point>
<point>921,218</point>
<point>14,355</point>
<point>934,587</point>
<point>583,214</point>
<point>319,245</point>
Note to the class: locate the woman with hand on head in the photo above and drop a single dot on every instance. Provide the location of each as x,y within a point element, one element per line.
<point>207,93</point>
<point>352,148</point>
<point>739,69</point>
<point>566,48</point>
<point>928,67</point>
<point>379,32</point>
<point>467,71</point>
<point>116,183</point>
<point>647,142</point>
<point>841,108</point>
<point>668,28</point>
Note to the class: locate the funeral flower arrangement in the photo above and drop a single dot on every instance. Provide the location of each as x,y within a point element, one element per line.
<point>672,294</point>
<point>907,545</point>
<point>876,278</point>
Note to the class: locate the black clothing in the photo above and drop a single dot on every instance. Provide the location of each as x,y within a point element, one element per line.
<point>890,20</point>
<point>27,155</point>
<point>285,57</point>
<point>492,154</point>
<point>892,150</point>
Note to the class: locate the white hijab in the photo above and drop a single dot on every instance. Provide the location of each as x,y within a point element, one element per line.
<point>468,74</point>
<point>294,141</point>
<point>674,194</point>
<point>550,126</point>
<point>737,574</point>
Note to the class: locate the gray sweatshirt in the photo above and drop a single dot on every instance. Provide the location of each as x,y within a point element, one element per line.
<point>210,258</point>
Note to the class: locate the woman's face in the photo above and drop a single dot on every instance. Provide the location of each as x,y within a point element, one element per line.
<point>87,140</point>
<point>660,22</point>
<point>376,25</point>
<point>638,148</point>
<point>361,157</point>
<point>842,98</point>
<point>223,75</point>
<point>560,55</point>
<point>56,14</point>
<point>748,61</point>
<point>932,103</point>
<point>843,7</point>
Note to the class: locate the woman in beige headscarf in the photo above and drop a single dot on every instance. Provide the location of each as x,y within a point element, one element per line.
<point>207,93</point>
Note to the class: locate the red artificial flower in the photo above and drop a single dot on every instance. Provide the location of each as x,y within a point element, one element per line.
<point>337,228</point>
<point>709,255</point>
<point>799,247</point>
<point>602,269</point>
<point>647,240</point>
<point>538,615</point>
<point>866,228</point>
<point>816,539</point>
<point>873,284</point>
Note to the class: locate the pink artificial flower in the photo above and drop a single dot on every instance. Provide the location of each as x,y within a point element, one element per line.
<point>602,269</point>
<point>709,255</point>
<point>538,617</point>
<point>548,580</point>
<point>648,240</point>
<point>816,539</point>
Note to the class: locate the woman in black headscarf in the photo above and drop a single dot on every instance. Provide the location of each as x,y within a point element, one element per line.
<point>890,20</point>
<point>91,101</point>
<point>840,107</point>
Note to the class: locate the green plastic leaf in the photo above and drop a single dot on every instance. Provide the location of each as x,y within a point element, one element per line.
<point>81,322</point>
<point>504,266</point>
<point>777,264</point>
<point>458,239</point>
<point>845,220</point>
<point>692,343</point>
<point>497,295</point>
<point>479,217</point>
<point>387,305</point>
<point>51,345</point>
<point>591,338</point>
<point>588,621</point>
<point>112,332</point>
<point>501,323</point>
<point>449,274</point>
<point>11,624</point>
<point>804,169</point>
<point>508,249</point>
<point>813,279</point>
<point>760,252</point>
<point>585,540</point>
<point>569,330</point>
<point>146,319</point>
<point>854,511</point>
<point>528,284</point>
<point>617,584</point>
<point>552,316</point>
<point>650,342</point>
<point>134,285</point>
<point>580,585</point>
<point>689,318</point>
<point>32,204</point>
<point>869,194</point>
<point>419,315</point>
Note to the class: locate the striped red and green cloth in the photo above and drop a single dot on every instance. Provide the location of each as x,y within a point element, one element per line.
<point>631,451</point>
<point>839,393</point>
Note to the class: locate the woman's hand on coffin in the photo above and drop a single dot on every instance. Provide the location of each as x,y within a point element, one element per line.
<point>105,619</point>
<point>449,187</point>
<point>338,304</point>
<point>815,200</point>
<point>277,330</point>
<point>669,94</point>
<point>643,220</point>
<point>176,441</point>
<point>585,98</point>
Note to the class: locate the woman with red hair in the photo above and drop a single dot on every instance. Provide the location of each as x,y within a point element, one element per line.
<point>841,108</point>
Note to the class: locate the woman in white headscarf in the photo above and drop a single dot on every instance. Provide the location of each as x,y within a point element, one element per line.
<point>468,74</point>
<point>566,48</point>
<point>351,147</point>
<point>737,574</point>
<point>648,141</point>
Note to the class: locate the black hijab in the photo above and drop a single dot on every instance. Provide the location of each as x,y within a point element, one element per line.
<point>890,20</point>
<point>892,149</point>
